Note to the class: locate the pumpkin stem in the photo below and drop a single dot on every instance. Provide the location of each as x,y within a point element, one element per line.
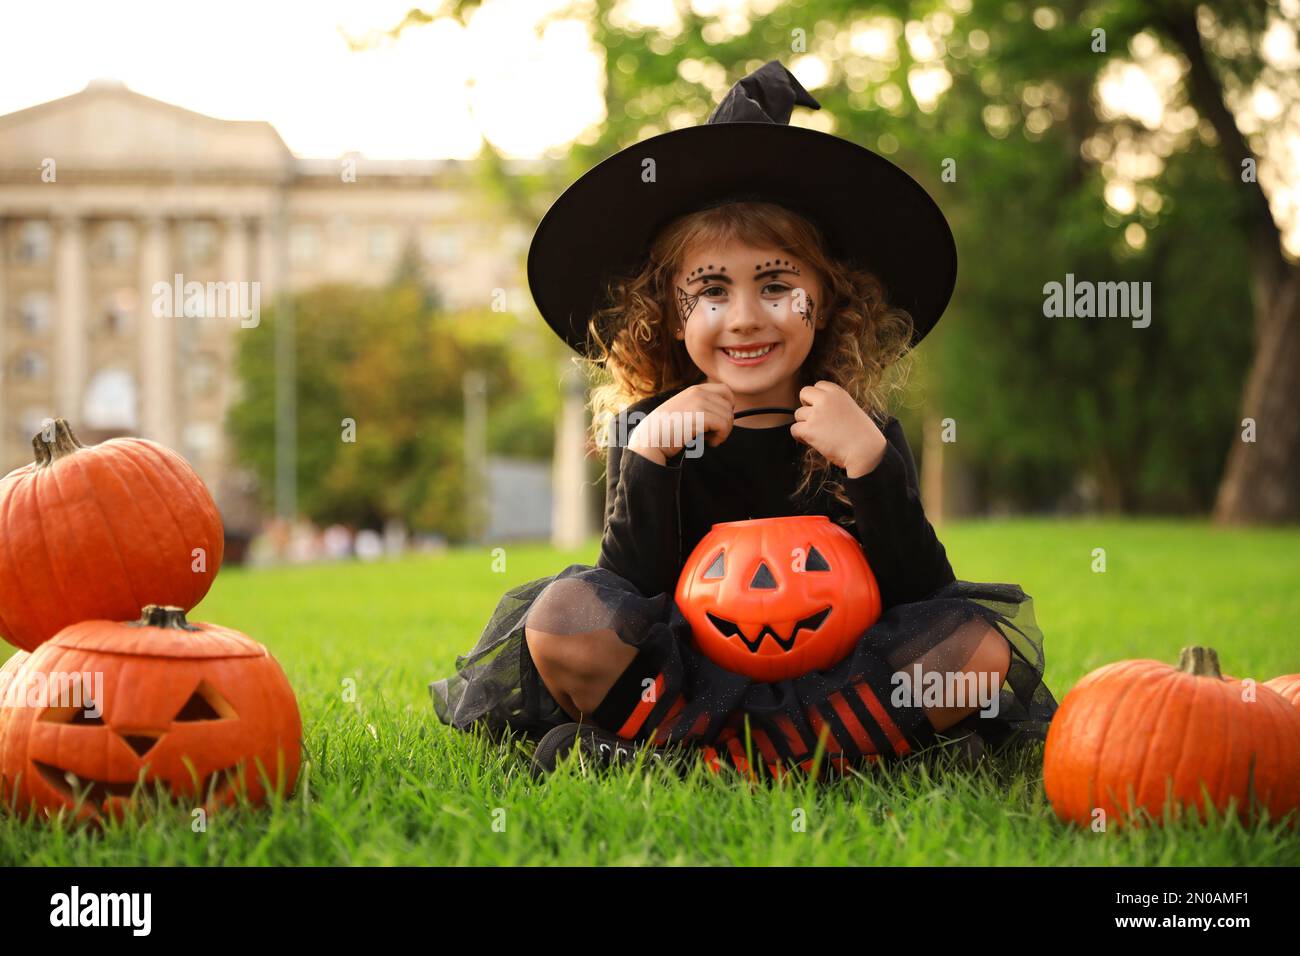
<point>164,615</point>
<point>63,443</point>
<point>1201,661</point>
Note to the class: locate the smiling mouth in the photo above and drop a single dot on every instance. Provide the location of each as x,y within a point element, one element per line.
<point>95,792</point>
<point>732,629</point>
<point>750,355</point>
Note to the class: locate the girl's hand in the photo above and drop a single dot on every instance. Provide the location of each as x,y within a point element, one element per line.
<point>833,423</point>
<point>704,410</point>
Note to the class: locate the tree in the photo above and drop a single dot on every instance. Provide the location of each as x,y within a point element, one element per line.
<point>1147,414</point>
<point>379,399</point>
<point>1262,479</point>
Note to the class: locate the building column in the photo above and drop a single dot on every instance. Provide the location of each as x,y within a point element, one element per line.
<point>270,242</point>
<point>570,524</point>
<point>236,266</point>
<point>70,332</point>
<point>158,333</point>
<point>274,286</point>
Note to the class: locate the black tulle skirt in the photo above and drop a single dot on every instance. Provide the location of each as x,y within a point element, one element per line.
<point>496,686</point>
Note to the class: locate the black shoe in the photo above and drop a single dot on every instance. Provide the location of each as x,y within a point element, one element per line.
<point>599,748</point>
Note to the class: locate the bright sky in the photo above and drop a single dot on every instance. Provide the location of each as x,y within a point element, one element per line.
<point>427,95</point>
<point>440,87</point>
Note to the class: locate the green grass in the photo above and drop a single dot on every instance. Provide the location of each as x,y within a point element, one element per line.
<point>384,783</point>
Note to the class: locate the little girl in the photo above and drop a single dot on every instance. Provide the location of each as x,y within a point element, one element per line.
<point>738,303</point>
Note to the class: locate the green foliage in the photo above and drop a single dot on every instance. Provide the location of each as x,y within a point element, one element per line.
<point>393,364</point>
<point>1146,413</point>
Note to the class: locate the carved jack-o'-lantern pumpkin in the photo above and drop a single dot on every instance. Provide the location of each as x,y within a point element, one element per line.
<point>196,707</point>
<point>10,669</point>
<point>774,598</point>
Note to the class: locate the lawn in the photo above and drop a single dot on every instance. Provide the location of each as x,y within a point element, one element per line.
<point>384,783</point>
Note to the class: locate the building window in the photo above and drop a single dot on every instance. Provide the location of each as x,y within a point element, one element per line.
<point>444,246</point>
<point>119,306</point>
<point>35,241</point>
<point>34,311</point>
<point>30,366</point>
<point>201,374</point>
<point>304,243</point>
<point>379,243</point>
<point>516,238</point>
<point>110,400</point>
<point>199,243</point>
<point>30,422</point>
<point>116,242</point>
<point>200,441</point>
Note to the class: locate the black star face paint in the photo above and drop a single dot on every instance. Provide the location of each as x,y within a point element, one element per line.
<point>809,306</point>
<point>754,327</point>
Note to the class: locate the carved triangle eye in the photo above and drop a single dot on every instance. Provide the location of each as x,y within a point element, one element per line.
<point>763,579</point>
<point>205,704</point>
<point>815,561</point>
<point>717,569</point>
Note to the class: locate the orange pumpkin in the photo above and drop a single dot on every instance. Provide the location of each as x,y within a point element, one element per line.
<point>774,598</point>
<point>11,695</point>
<point>1133,731</point>
<point>100,531</point>
<point>8,676</point>
<point>1288,686</point>
<point>201,708</point>
<point>12,665</point>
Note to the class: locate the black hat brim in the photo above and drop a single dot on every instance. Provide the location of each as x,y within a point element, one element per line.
<point>872,214</point>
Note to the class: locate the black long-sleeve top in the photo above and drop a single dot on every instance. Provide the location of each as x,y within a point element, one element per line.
<point>656,514</point>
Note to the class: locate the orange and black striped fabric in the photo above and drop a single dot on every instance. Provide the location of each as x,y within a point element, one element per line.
<point>857,724</point>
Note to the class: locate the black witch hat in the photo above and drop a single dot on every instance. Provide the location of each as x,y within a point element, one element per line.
<point>871,213</point>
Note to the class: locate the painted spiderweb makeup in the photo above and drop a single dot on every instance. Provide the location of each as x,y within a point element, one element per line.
<point>686,303</point>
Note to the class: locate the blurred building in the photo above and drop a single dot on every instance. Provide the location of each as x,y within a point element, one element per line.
<point>519,500</point>
<point>107,193</point>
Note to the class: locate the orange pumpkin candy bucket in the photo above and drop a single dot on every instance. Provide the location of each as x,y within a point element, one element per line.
<point>775,598</point>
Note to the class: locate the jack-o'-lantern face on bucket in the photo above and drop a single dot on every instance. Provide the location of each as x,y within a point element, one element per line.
<point>201,709</point>
<point>774,598</point>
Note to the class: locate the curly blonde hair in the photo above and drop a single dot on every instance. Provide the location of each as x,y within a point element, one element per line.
<point>632,353</point>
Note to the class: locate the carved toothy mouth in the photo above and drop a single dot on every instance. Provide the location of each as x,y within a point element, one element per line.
<point>95,792</point>
<point>732,629</point>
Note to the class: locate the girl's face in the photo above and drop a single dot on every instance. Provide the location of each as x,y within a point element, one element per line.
<point>747,315</point>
